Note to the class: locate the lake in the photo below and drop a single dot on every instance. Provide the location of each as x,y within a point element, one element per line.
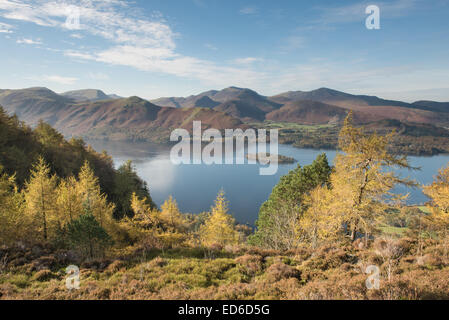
<point>195,186</point>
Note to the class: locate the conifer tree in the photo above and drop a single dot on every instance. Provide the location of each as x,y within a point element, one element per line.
<point>362,179</point>
<point>13,222</point>
<point>438,192</point>
<point>279,214</point>
<point>219,227</point>
<point>68,203</point>
<point>170,214</point>
<point>88,190</point>
<point>40,199</point>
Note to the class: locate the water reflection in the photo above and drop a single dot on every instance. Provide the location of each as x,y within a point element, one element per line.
<point>195,186</point>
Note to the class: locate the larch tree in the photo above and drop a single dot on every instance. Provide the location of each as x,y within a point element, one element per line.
<point>40,199</point>
<point>363,179</point>
<point>143,225</point>
<point>172,229</point>
<point>69,205</point>
<point>13,222</point>
<point>170,214</point>
<point>317,224</point>
<point>438,192</point>
<point>219,227</point>
<point>88,190</point>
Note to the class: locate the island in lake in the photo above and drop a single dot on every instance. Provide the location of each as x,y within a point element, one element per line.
<point>265,158</point>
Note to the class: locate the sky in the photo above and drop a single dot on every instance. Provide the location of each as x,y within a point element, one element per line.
<point>159,48</point>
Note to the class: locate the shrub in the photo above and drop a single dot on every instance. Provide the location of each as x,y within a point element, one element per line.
<point>280,271</point>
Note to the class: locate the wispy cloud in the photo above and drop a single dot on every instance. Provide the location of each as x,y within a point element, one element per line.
<point>292,43</point>
<point>246,61</point>
<point>60,79</point>
<point>134,41</point>
<point>76,36</point>
<point>54,78</point>
<point>5,28</point>
<point>29,41</point>
<point>211,46</point>
<point>248,10</point>
<point>356,12</point>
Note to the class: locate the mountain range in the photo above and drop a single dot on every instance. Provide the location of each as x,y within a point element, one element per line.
<point>93,113</point>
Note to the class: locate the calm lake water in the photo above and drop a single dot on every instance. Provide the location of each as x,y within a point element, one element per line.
<point>196,186</point>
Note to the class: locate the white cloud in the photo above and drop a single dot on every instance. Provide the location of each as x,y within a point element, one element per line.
<point>5,28</point>
<point>54,78</point>
<point>29,41</point>
<point>137,42</point>
<point>211,46</point>
<point>60,79</point>
<point>76,36</point>
<point>247,60</point>
<point>248,10</point>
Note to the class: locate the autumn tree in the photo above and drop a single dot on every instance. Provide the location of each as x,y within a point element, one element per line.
<point>170,214</point>
<point>317,224</point>
<point>438,192</point>
<point>279,214</point>
<point>172,228</point>
<point>361,182</point>
<point>144,223</point>
<point>68,204</point>
<point>219,227</point>
<point>88,190</point>
<point>13,222</point>
<point>40,199</point>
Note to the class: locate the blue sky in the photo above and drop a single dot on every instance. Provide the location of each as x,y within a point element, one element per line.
<point>177,48</point>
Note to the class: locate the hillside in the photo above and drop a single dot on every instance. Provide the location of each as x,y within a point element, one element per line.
<point>86,95</point>
<point>138,119</point>
<point>33,104</point>
<point>308,112</point>
<point>121,119</point>
<point>335,97</point>
<point>433,105</point>
<point>369,108</point>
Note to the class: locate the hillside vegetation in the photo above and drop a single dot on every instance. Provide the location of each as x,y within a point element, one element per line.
<point>317,234</point>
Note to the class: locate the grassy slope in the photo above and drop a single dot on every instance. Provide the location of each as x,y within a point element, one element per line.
<point>235,273</point>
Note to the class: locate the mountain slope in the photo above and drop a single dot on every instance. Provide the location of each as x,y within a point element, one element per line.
<point>368,108</point>
<point>33,104</point>
<point>117,119</point>
<point>433,105</point>
<point>337,98</point>
<point>86,95</point>
<point>308,112</point>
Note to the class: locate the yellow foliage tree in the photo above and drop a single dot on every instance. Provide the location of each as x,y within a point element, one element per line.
<point>360,182</point>
<point>219,227</point>
<point>317,223</point>
<point>172,224</point>
<point>69,205</point>
<point>13,222</point>
<point>143,225</point>
<point>40,200</point>
<point>170,214</point>
<point>89,193</point>
<point>438,191</point>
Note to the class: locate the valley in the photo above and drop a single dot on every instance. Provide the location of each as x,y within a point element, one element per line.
<point>306,119</point>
